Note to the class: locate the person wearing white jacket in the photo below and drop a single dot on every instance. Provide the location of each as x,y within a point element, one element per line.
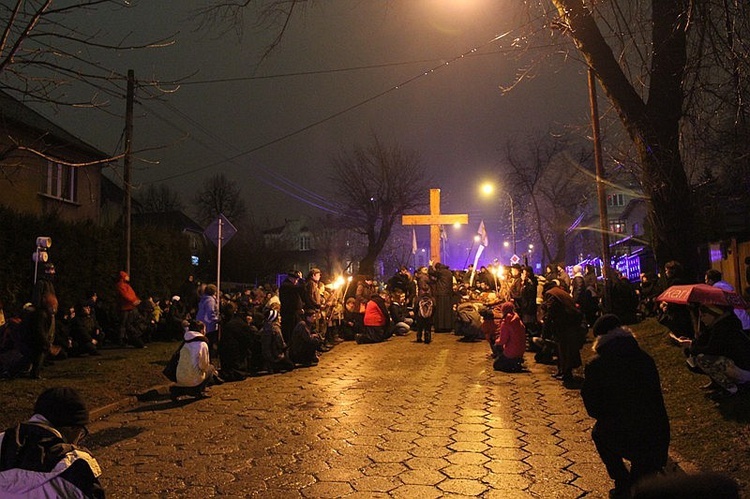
<point>194,369</point>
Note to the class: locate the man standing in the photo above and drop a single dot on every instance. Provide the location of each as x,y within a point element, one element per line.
<point>128,301</point>
<point>622,392</point>
<point>291,294</point>
<point>41,457</point>
<point>443,295</point>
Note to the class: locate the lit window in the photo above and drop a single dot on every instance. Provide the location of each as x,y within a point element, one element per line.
<point>304,243</point>
<point>61,182</point>
<point>618,226</point>
<point>616,200</point>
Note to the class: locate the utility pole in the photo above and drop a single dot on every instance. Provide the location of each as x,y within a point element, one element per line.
<point>600,188</point>
<point>128,163</point>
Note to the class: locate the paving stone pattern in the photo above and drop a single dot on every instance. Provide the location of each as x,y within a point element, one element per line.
<point>397,419</point>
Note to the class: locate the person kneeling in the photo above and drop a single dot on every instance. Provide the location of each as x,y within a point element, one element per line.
<point>41,457</point>
<point>510,342</point>
<point>304,343</point>
<point>622,392</point>
<point>194,369</point>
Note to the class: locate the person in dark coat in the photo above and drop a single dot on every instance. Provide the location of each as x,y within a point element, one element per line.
<point>291,296</point>
<point>563,322</point>
<point>721,351</point>
<point>275,356</point>
<point>39,333</point>
<point>85,332</point>
<point>443,295</point>
<point>622,392</point>
<point>42,457</point>
<point>305,342</point>
<point>234,344</point>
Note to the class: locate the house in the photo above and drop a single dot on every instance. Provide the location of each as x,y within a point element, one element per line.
<point>302,245</point>
<point>177,221</point>
<point>629,246</point>
<point>45,169</point>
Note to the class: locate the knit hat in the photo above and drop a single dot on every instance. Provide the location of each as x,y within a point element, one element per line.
<point>605,324</point>
<point>62,406</point>
<point>271,315</point>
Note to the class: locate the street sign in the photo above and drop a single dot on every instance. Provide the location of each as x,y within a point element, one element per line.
<point>515,259</point>
<point>227,230</point>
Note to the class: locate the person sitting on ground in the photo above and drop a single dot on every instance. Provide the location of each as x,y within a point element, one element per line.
<point>273,345</point>
<point>491,327</point>
<point>721,350</point>
<point>510,343</point>
<point>647,290</point>
<point>42,458</point>
<point>400,319</point>
<point>352,321</point>
<point>194,369</point>
<point>622,392</point>
<point>468,322</point>
<point>234,345</point>
<point>714,278</point>
<point>376,320</point>
<point>305,341</point>
<point>85,333</point>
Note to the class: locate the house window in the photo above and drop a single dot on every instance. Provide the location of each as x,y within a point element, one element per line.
<point>618,226</point>
<point>304,243</point>
<point>616,200</point>
<point>61,182</point>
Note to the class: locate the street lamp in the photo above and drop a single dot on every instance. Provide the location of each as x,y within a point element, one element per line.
<point>488,189</point>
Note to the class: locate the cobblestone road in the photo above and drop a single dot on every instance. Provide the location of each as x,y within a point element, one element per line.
<point>397,419</point>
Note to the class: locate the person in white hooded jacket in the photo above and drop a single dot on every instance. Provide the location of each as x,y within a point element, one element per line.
<point>41,457</point>
<point>194,369</point>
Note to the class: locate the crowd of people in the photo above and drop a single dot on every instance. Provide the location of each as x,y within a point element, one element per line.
<point>264,330</point>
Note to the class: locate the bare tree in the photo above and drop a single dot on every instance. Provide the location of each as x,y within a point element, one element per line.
<point>654,59</point>
<point>160,199</point>
<point>375,185</point>
<point>45,48</point>
<point>220,196</point>
<point>551,177</point>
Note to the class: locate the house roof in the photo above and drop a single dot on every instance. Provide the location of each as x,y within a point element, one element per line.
<point>169,219</point>
<point>15,112</point>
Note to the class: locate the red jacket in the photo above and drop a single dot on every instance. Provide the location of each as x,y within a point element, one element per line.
<point>375,315</point>
<point>126,297</point>
<point>512,336</point>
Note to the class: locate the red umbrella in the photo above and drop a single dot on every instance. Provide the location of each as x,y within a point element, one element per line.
<point>702,294</point>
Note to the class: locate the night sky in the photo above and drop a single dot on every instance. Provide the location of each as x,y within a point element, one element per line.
<point>237,115</point>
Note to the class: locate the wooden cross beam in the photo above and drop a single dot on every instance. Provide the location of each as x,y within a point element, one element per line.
<point>435,219</point>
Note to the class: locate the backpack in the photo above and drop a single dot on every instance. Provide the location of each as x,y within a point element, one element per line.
<point>425,307</point>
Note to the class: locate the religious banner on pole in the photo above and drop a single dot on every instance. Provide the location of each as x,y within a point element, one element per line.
<point>483,240</point>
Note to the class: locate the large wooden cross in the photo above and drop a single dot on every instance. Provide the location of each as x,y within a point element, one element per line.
<point>435,219</point>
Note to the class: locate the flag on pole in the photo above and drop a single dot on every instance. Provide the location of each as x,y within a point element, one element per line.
<point>413,242</point>
<point>483,235</point>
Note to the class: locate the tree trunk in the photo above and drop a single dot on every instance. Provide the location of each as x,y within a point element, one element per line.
<point>653,126</point>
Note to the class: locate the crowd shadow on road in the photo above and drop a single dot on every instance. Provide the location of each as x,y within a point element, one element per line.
<point>111,436</point>
<point>159,402</point>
